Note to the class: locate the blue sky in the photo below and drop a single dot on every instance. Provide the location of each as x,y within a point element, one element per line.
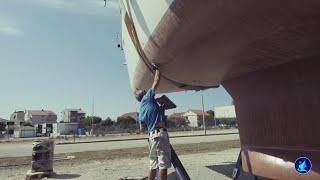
<point>57,54</point>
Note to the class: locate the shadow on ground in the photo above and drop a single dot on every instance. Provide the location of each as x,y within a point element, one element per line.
<point>224,169</point>
<point>66,176</point>
<point>227,169</point>
<point>171,176</point>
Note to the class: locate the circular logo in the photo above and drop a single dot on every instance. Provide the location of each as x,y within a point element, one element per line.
<point>302,165</point>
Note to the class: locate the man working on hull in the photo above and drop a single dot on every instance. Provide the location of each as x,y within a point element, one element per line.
<point>152,118</point>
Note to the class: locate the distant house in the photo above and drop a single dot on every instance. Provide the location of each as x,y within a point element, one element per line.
<point>224,112</point>
<point>25,132</point>
<point>3,124</point>
<point>225,115</point>
<point>65,128</point>
<point>40,117</point>
<point>134,115</point>
<point>73,115</point>
<point>14,128</point>
<point>194,116</point>
<point>42,120</point>
<point>3,120</point>
<point>17,117</point>
<point>70,122</point>
<point>177,120</point>
<point>176,115</point>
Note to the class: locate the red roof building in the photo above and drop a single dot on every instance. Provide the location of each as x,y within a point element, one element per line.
<point>194,116</point>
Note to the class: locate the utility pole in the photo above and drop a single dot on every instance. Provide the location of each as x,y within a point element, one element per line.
<point>92,117</point>
<point>215,121</point>
<point>203,118</point>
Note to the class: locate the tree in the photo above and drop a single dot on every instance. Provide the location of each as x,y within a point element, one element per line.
<point>209,119</point>
<point>211,114</point>
<point>2,126</point>
<point>177,122</point>
<point>125,122</point>
<point>107,122</point>
<point>86,122</point>
<point>171,123</point>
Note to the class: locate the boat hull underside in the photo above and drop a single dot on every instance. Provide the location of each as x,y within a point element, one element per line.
<point>266,55</point>
<point>213,41</point>
<point>279,120</point>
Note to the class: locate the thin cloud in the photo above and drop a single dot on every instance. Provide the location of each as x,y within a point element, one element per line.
<point>90,7</point>
<point>10,31</point>
<point>9,27</point>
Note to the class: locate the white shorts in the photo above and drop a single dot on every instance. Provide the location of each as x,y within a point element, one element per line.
<point>160,151</point>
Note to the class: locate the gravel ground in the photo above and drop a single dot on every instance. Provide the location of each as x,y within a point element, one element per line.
<point>202,166</point>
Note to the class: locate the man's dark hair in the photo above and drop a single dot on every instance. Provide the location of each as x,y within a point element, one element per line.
<point>139,94</point>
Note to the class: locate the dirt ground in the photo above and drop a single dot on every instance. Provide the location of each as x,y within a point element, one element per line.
<point>203,166</point>
<point>122,153</point>
<point>200,162</point>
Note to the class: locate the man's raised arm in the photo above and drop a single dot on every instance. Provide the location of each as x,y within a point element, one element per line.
<point>156,81</point>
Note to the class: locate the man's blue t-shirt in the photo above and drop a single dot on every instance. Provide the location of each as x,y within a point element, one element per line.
<point>150,112</point>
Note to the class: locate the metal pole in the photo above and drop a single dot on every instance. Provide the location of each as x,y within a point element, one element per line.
<point>92,117</point>
<point>8,131</point>
<point>215,122</point>
<point>203,118</point>
<point>214,118</point>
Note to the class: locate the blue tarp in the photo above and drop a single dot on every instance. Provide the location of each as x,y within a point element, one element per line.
<point>81,131</point>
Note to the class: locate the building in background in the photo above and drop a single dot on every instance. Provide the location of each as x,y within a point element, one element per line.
<point>18,117</point>
<point>224,112</point>
<point>65,128</point>
<point>42,120</point>
<point>70,120</point>
<point>21,129</point>
<point>194,116</point>
<point>177,120</point>
<point>73,115</point>
<point>40,117</point>
<point>225,115</point>
<point>4,121</point>
<point>177,115</point>
<point>25,132</point>
<point>3,125</point>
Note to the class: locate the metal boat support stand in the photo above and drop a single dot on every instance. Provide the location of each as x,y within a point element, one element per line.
<point>181,172</point>
<point>238,168</point>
